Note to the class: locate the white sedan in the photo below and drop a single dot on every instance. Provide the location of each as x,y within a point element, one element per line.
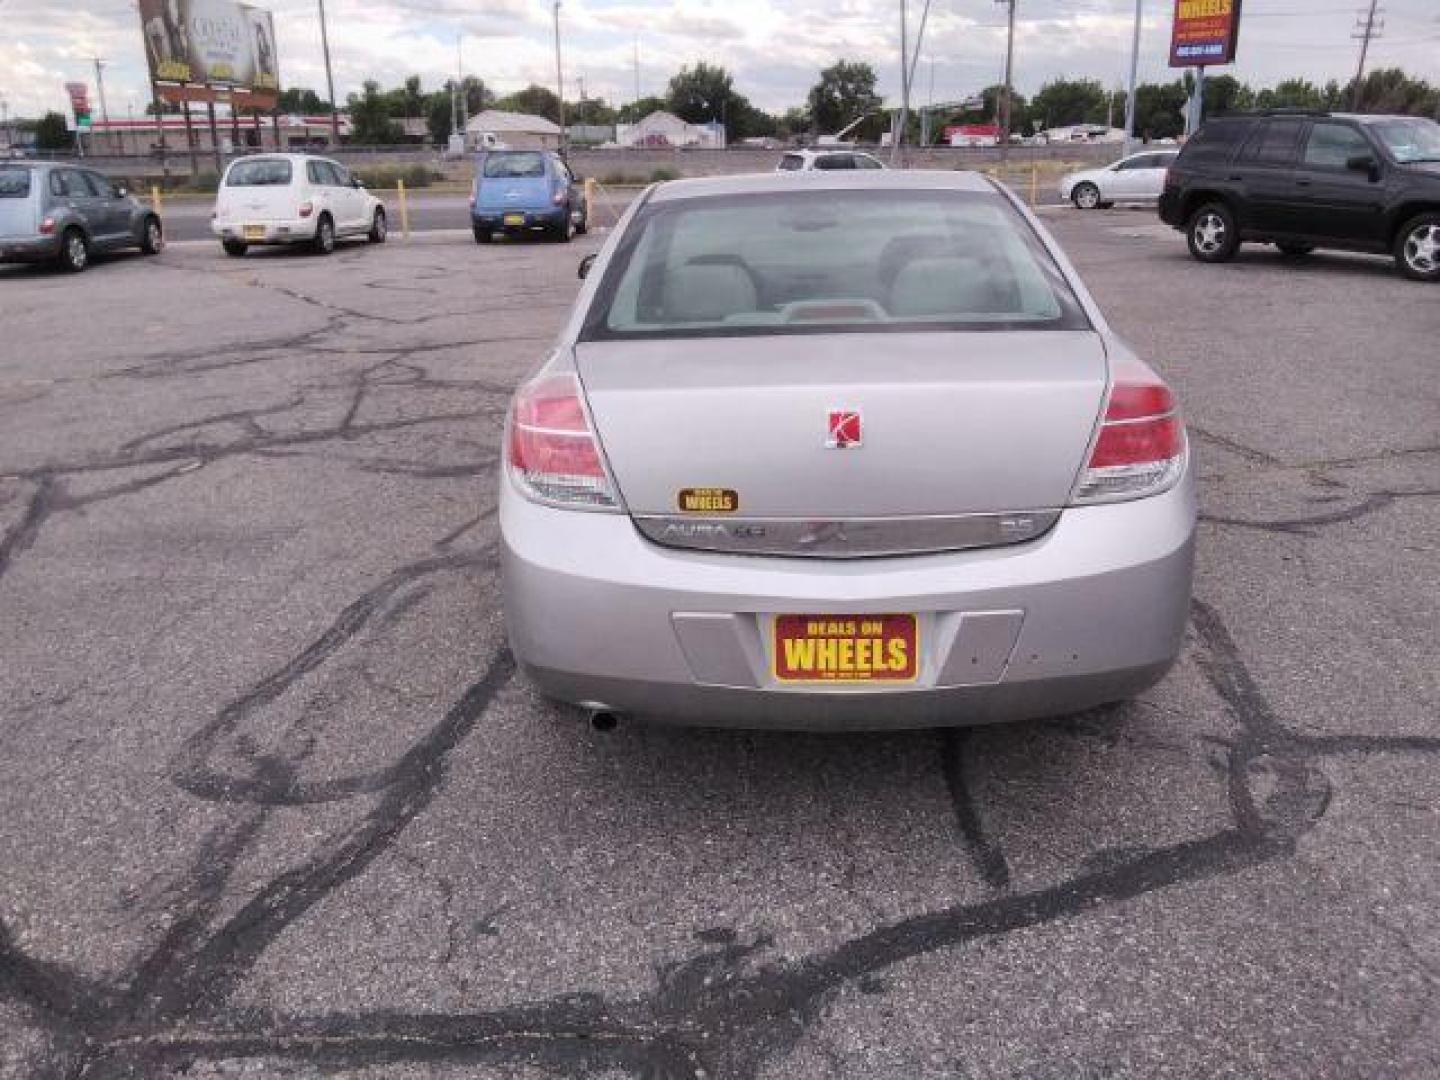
<point>1137,178</point>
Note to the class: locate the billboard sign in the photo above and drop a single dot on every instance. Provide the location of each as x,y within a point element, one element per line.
<point>79,102</point>
<point>210,42</point>
<point>1206,32</point>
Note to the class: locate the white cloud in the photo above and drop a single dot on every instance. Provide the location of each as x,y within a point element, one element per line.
<point>774,50</point>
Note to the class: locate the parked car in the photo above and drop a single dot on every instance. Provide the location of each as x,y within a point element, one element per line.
<point>526,191</point>
<point>805,160</point>
<point>1306,180</point>
<point>850,451</point>
<point>294,199</point>
<point>1137,178</point>
<point>61,213</point>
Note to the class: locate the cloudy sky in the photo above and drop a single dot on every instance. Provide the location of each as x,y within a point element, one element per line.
<point>774,49</point>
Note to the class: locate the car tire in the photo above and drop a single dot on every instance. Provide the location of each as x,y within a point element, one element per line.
<point>1417,248</point>
<point>379,228</point>
<point>234,248</point>
<point>1086,196</point>
<point>1295,251</point>
<point>483,236</point>
<point>74,251</point>
<point>565,231</point>
<point>152,236</point>
<point>324,242</point>
<point>1212,234</point>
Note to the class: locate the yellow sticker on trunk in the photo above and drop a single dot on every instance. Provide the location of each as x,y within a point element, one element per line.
<point>709,500</point>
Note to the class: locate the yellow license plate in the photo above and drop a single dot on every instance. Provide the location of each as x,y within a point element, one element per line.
<point>514,219</point>
<point>845,648</point>
<point>254,232</point>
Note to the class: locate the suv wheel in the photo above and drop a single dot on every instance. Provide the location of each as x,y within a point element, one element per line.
<point>1417,248</point>
<point>324,235</point>
<point>74,251</point>
<point>1085,196</point>
<point>152,240</point>
<point>1211,234</point>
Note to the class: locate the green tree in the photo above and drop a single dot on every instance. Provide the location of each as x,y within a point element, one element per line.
<point>1291,94</point>
<point>440,117</point>
<point>1225,93</point>
<point>701,94</point>
<point>1390,90</point>
<point>635,111</point>
<point>845,92</point>
<point>370,123</point>
<point>794,123</point>
<point>478,96</point>
<point>51,134</point>
<point>1062,102</point>
<point>534,99</point>
<point>301,101</point>
<point>1159,110</point>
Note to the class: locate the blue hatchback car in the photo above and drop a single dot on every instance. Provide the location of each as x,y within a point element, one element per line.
<point>521,191</point>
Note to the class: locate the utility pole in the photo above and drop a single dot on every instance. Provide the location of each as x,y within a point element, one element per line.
<point>458,119</point>
<point>1007,103</point>
<point>1134,73</point>
<point>329,80</point>
<point>559,79</point>
<point>100,90</point>
<point>637,70</point>
<point>897,135</point>
<point>1366,27</point>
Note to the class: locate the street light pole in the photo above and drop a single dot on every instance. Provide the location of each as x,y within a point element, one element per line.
<point>1134,72</point>
<point>329,79</point>
<point>1008,93</point>
<point>559,80</point>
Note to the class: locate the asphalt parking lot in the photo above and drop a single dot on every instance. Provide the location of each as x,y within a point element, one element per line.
<point>273,801</point>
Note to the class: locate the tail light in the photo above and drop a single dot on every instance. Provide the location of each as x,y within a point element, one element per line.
<point>472,202</point>
<point>306,209</point>
<point>551,449</point>
<point>558,198</point>
<point>47,227</point>
<point>1141,447</point>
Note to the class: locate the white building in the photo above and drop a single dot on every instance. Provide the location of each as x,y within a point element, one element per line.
<point>515,131</point>
<point>662,129</point>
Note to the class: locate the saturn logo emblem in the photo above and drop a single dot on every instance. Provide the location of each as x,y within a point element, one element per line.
<point>843,429</point>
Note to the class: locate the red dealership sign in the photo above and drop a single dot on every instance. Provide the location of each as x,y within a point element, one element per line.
<point>1206,32</point>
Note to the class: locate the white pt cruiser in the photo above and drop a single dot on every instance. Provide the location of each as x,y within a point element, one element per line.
<point>293,199</point>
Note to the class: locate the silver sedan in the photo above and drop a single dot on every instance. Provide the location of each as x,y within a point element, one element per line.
<point>845,450</point>
<point>1137,178</point>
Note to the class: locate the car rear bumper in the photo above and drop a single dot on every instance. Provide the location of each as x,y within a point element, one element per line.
<point>23,249</point>
<point>1090,613</point>
<point>1170,208</point>
<point>297,230</point>
<point>497,219</point>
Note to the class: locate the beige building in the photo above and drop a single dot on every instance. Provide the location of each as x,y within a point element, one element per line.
<point>515,131</point>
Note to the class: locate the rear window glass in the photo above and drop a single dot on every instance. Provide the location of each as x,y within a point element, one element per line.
<point>14,183</point>
<point>514,166</point>
<point>822,261</point>
<point>1274,143</point>
<point>260,172</point>
<point>1215,141</point>
<point>791,163</point>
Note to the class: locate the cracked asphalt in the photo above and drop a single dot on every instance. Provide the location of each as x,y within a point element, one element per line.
<point>274,802</point>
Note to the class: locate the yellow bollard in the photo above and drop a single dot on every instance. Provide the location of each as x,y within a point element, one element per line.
<point>589,199</point>
<point>404,210</point>
<point>155,202</point>
<point>1034,185</point>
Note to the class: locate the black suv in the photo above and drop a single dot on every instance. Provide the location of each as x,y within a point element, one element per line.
<point>1302,180</point>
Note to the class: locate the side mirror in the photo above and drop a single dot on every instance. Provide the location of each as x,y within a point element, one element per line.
<point>1365,163</point>
<point>585,264</point>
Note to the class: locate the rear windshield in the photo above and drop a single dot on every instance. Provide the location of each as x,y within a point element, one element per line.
<point>14,182</point>
<point>523,164</point>
<point>259,172</point>
<point>827,261</point>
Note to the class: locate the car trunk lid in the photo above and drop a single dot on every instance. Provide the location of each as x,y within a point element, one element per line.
<point>964,439</point>
<point>514,193</point>
<point>18,201</point>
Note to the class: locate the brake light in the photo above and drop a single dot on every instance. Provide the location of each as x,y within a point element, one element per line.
<point>47,227</point>
<point>558,198</point>
<point>1141,447</point>
<point>306,209</point>
<point>551,449</point>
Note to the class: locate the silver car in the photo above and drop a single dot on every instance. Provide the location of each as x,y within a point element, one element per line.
<point>64,214</point>
<point>845,450</point>
<point>1137,178</point>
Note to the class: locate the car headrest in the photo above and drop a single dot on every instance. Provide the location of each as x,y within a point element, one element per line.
<point>708,292</point>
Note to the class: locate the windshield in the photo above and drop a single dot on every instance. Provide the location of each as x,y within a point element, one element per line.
<point>259,172</point>
<point>821,261</point>
<point>1410,140</point>
<point>14,182</point>
<point>524,164</point>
